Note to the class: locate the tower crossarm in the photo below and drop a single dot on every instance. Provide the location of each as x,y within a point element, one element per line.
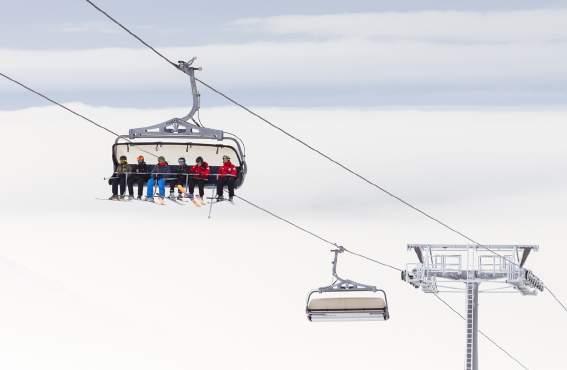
<point>465,263</point>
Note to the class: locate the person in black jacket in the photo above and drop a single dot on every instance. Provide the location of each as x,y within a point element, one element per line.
<point>140,174</point>
<point>180,181</point>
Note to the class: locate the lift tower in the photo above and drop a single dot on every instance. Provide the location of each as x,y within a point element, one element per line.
<point>501,267</point>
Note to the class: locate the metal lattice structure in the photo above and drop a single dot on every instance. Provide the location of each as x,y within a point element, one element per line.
<point>444,268</point>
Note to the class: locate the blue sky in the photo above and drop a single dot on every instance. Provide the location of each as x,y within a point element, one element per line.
<point>293,53</point>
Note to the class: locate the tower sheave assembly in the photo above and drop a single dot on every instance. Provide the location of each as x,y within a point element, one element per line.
<point>501,267</point>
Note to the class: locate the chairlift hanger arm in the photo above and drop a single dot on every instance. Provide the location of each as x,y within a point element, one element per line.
<point>341,284</point>
<point>185,126</point>
<point>189,70</point>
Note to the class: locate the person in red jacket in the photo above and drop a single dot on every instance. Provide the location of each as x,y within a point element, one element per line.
<point>226,177</point>
<point>199,173</point>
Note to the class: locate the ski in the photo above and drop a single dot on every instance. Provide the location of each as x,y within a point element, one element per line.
<point>114,200</point>
<point>157,200</point>
<point>217,200</point>
<point>195,202</point>
<point>178,202</point>
<point>202,201</point>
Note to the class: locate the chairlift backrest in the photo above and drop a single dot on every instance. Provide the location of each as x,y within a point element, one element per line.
<point>211,153</point>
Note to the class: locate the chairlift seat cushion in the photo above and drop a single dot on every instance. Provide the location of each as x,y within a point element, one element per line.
<point>346,303</point>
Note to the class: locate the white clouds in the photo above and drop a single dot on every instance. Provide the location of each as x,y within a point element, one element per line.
<point>89,27</point>
<point>430,26</point>
<point>433,158</point>
<point>107,285</point>
<point>298,64</point>
<point>442,52</point>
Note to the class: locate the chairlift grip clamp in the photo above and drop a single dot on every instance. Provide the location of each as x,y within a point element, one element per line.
<point>338,249</point>
<point>187,67</point>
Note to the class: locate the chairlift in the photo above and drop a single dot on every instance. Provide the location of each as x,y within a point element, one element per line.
<point>347,300</point>
<point>183,137</point>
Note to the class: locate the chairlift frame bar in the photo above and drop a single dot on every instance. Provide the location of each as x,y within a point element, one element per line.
<point>186,127</point>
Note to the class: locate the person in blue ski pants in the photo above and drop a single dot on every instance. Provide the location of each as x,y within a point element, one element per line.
<point>158,175</point>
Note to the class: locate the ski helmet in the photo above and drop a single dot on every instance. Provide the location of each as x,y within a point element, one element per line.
<point>161,158</point>
<point>181,159</point>
<point>140,158</point>
<point>199,159</point>
<point>123,158</point>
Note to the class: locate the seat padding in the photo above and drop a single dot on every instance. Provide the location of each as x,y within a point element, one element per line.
<point>347,303</point>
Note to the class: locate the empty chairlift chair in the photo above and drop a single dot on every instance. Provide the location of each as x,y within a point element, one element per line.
<point>347,300</point>
<point>183,137</point>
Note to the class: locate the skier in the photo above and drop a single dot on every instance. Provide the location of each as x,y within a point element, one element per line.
<point>141,174</point>
<point>158,175</point>
<point>119,178</point>
<point>180,181</point>
<point>226,177</point>
<point>199,175</point>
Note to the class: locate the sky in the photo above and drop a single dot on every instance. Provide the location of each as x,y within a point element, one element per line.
<point>316,53</point>
<point>456,107</point>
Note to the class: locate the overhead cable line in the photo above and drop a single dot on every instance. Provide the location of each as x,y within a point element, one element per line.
<point>68,109</point>
<point>318,151</point>
<point>58,104</point>
<point>303,229</point>
<point>556,298</point>
<point>293,224</point>
<point>132,34</point>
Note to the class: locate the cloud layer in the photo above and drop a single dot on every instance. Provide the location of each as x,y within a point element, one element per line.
<point>428,26</point>
<point>452,55</point>
<point>95,284</point>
